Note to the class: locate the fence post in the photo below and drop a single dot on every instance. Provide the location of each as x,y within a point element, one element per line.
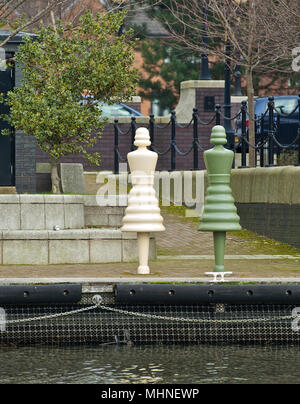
<point>299,129</point>
<point>195,138</point>
<point>243,146</point>
<point>116,145</point>
<point>151,128</point>
<point>133,129</point>
<point>262,136</point>
<point>218,115</point>
<point>271,132</point>
<point>173,140</point>
<point>278,149</point>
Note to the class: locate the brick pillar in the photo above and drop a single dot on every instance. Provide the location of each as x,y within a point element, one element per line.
<point>25,151</point>
<point>204,95</point>
<point>25,155</point>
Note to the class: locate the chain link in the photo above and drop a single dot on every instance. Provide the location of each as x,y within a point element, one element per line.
<point>197,320</point>
<point>49,316</point>
<point>98,300</point>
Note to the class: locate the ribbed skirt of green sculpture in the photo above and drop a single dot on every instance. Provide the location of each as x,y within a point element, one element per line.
<point>220,213</point>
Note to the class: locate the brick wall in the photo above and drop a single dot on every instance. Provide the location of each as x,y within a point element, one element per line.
<point>25,163</point>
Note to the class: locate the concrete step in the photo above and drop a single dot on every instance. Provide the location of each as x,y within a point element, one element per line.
<point>84,246</point>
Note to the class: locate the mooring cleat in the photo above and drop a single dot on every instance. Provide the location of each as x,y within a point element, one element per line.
<point>218,276</point>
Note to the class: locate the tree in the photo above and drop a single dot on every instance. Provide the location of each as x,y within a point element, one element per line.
<point>19,15</point>
<point>166,63</point>
<point>58,68</point>
<point>259,34</point>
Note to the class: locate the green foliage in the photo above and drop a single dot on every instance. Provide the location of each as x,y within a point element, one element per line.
<point>166,66</point>
<point>58,68</point>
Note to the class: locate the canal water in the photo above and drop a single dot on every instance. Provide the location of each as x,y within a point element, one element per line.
<point>113,364</point>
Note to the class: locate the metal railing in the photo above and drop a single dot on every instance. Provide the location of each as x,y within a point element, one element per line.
<point>266,137</point>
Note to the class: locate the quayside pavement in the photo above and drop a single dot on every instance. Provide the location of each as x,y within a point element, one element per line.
<point>183,252</point>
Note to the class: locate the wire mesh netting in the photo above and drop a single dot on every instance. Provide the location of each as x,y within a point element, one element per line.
<point>148,324</point>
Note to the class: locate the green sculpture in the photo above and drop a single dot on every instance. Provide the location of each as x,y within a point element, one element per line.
<point>219,214</point>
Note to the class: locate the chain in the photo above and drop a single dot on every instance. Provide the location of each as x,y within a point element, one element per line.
<point>196,320</point>
<point>98,304</point>
<point>49,316</point>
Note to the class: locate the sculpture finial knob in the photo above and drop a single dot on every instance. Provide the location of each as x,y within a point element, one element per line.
<point>218,135</point>
<point>142,137</point>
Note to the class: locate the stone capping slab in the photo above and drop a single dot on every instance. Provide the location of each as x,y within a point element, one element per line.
<point>202,84</point>
<point>75,234</point>
<point>33,198</point>
<point>91,283</point>
<point>274,185</point>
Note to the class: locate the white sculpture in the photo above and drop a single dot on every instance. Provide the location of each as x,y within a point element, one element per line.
<point>142,214</point>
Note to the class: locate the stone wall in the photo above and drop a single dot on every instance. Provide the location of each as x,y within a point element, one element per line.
<point>268,201</point>
<point>87,233</point>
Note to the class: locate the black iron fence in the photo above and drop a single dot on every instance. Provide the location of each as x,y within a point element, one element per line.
<point>267,135</point>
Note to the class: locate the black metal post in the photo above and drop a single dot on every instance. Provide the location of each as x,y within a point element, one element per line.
<point>173,140</point>
<point>227,100</point>
<point>278,149</point>
<point>195,138</point>
<point>262,149</point>
<point>133,129</point>
<point>151,128</point>
<point>271,132</point>
<point>116,145</point>
<point>244,128</point>
<point>298,129</point>
<point>218,114</point>
<point>205,73</point>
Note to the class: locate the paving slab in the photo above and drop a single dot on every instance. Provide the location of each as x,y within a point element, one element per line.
<point>183,253</point>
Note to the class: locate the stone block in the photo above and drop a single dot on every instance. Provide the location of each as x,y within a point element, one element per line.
<point>24,235</point>
<point>25,252</point>
<point>115,220</point>
<point>104,251</point>
<point>68,251</point>
<point>32,216</point>
<point>73,199</point>
<point>74,216</point>
<point>54,215</point>
<point>92,218</point>
<point>9,198</point>
<point>105,234</point>
<point>80,234</point>
<point>130,250</point>
<point>26,199</point>
<point>10,218</point>
<point>72,178</point>
<point>58,199</point>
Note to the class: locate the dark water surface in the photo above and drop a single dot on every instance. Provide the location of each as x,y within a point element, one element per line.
<point>150,364</point>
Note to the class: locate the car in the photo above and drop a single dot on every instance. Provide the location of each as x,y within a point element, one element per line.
<point>115,110</point>
<point>287,130</point>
